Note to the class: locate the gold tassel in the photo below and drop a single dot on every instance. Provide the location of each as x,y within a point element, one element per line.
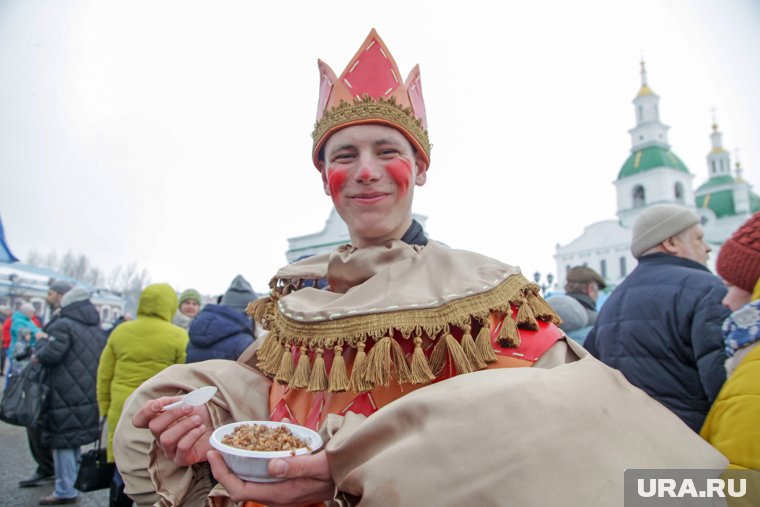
<point>542,310</point>
<point>525,317</point>
<point>438,358</point>
<point>357,384</point>
<point>301,376</point>
<point>285,370</point>
<point>403,373</point>
<point>377,367</point>
<point>258,308</point>
<point>338,376</point>
<point>461,363</point>
<point>318,379</point>
<point>269,354</point>
<point>471,351</point>
<point>420,371</point>
<point>483,344</point>
<point>508,334</point>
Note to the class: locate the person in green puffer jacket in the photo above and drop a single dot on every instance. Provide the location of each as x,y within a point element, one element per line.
<point>136,351</point>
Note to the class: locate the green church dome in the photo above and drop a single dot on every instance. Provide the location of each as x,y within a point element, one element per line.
<point>648,158</point>
<point>716,181</point>
<point>722,201</point>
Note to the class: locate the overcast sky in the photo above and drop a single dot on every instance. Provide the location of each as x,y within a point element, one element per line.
<point>176,133</point>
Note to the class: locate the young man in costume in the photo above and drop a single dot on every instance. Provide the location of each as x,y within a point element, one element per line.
<point>387,361</point>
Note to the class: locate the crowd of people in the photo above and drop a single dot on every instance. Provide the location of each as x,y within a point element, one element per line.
<point>91,373</point>
<point>410,355</point>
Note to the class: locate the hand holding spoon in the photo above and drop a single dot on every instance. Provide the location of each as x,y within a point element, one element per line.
<point>194,398</point>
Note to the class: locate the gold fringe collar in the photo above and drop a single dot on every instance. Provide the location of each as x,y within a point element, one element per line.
<point>293,351</point>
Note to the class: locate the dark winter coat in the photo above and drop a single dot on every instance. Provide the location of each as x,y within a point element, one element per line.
<point>219,332</point>
<point>661,328</point>
<point>70,356</point>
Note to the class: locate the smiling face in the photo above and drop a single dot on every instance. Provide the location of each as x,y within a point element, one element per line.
<point>370,172</point>
<point>190,307</point>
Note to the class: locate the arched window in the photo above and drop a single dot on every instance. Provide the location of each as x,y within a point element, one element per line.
<point>712,167</point>
<point>640,112</point>
<point>678,192</point>
<point>639,196</point>
<point>623,270</point>
<point>104,314</point>
<point>603,268</point>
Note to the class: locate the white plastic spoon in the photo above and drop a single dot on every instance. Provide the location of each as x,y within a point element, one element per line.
<point>194,398</point>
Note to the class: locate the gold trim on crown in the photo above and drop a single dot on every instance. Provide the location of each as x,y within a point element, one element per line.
<point>369,110</point>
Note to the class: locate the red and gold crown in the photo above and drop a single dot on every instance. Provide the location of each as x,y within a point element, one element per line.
<point>370,91</point>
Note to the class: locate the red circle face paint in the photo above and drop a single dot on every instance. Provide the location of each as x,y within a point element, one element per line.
<point>336,178</point>
<point>400,170</point>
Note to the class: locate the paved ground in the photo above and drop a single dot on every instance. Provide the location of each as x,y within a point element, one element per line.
<point>18,464</point>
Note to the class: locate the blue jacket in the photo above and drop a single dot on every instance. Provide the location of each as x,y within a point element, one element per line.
<point>219,332</point>
<point>661,328</point>
<point>19,322</point>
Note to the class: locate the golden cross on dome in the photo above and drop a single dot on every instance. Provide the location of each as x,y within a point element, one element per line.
<point>714,121</point>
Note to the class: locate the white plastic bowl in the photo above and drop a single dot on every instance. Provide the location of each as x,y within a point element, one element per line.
<point>252,466</point>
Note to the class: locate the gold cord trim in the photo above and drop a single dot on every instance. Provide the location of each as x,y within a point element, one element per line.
<point>366,109</point>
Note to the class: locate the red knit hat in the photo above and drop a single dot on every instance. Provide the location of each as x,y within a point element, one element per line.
<point>739,257</point>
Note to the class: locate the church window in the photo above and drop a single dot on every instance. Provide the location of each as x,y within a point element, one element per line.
<point>623,270</point>
<point>639,196</point>
<point>712,167</point>
<point>603,268</point>
<point>104,314</point>
<point>679,192</point>
<point>640,113</point>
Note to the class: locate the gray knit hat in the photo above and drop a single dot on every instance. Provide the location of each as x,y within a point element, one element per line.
<point>61,286</point>
<point>657,224</point>
<point>75,295</point>
<point>239,294</point>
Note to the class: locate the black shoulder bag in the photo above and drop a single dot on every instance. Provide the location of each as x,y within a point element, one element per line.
<point>95,472</point>
<point>25,397</point>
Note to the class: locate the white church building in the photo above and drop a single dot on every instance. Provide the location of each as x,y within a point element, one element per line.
<point>653,174</point>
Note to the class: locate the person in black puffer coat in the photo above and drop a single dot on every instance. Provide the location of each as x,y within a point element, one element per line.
<point>661,327</point>
<point>223,331</point>
<point>70,353</point>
